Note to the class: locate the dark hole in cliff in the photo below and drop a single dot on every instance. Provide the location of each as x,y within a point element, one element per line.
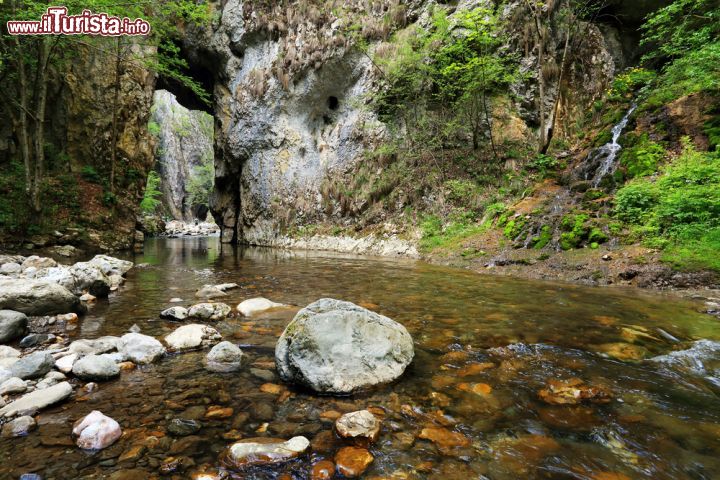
<point>198,72</point>
<point>333,103</point>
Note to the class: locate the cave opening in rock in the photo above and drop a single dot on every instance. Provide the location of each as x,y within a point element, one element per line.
<point>333,103</point>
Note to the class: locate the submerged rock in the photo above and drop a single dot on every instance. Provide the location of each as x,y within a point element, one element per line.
<point>34,365</point>
<point>256,305</point>
<point>360,424</point>
<point>333,346</point>
<point>262,450</point>
<point>224,357</point>
<point>140,348</point>
<point>209,311</point>
<point>96,367</point>
<point>12,325</point>
<point>702,358</point>
<point>31,402</point>
<point>192,336</point>
<point>210,291</point>
<point>181,427</point>
<point>174,313</point>
<point>36,297</point>
<point>19,427</point>
<point>353,461</point>
<point>96,431</point>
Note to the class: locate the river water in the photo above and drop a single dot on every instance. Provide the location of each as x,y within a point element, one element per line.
<point>486,348</point>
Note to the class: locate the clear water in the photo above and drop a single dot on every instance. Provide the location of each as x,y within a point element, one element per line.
<point>662,423</point>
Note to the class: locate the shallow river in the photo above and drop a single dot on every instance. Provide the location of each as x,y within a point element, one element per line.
<point>485,349</point>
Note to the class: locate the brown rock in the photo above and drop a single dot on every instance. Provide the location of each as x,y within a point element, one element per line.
<point>271,388</point>
<point>474,369</point>
<point>572,392</point>
<point>323,470</point>
<point>444,439</point>
<point>360,424</point>
<point>323,442</point>
<point>216,411</point>
<point>353,461</point>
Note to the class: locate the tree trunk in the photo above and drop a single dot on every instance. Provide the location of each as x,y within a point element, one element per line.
<point>561,76</point>
<point>23,134</point>
<point>41,91</point>
<point>116,94</point>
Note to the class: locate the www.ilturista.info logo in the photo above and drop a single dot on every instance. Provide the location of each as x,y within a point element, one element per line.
<point>57,22</point>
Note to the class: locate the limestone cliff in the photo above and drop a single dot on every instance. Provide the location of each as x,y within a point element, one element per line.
<point>185,144</point>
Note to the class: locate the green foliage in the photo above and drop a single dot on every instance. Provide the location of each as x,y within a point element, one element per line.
<point>626,84</point>
<point>154,128</point>
<point>88,173</point>
<point>681,27</point>
<point>679,208</point>
<point>543,164</point>
<point>543,239</point>
<point>642,157</point>
<point>152,195</point>
<point>461,191</point>
<point>436,235</point>
<point>200,185</point>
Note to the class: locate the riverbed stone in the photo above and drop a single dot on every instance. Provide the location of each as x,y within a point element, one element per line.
<point>111,265</point>
<point>65,364</point>
<point>140,348</point>
<point>35,339</point>
<point>209,311</point>
<point>96,431</point>
<point>35,261</point>
<point>32,366</point>
<point>332,346</point>
<point>224,357</point>
<point>96,367</point>
<point>12,325</point>
<point>192,336</point>
<point>360,424</point>
<point>181,427</point>
<point>10,268</point>
<point>12,386</point>
<point>353,461</point>
<point>19,427</point>
<point>34,401</point>
<point>9,352</point>
<point>253,306</point>
<point>174,313</point>
<point>95,346</point>
<point>209,292</point>
<point>263,450</point>
<point>36,297</point>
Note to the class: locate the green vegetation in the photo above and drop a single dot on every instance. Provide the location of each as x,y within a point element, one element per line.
<point>679,210</point>
<point>200,185</point>
<point>437,234</point>
<point>151,198</point>
<point>641,156</point>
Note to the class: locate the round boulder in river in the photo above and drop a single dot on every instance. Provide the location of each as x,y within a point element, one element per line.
<point>333,346</point>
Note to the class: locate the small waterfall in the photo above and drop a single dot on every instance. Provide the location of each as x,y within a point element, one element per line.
<point>607,154</point>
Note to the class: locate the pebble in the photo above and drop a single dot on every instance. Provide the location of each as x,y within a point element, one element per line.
<point>353,461</point>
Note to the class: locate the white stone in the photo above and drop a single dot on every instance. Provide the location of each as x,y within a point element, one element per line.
<point>30,403</point>
<point>192,336</point>
<point>256,305</point>
<point>96,431</point>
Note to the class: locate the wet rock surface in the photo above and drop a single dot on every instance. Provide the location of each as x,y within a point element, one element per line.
<point>12,325</point>
<point>334,346</point>
<point>189,337</point>
<point>96,367</point>
<point>263,450</point>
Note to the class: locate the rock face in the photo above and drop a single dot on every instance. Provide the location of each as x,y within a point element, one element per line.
<point>262,450</point>
<point>30,403</point>
<point>12,325</point>
<point>189,337</point>
<point>140,348</point>
<point>96,431</point>
<point>96,367</point>
<point>333,346</point>
<point>185,144</point>
<point>35,297</point>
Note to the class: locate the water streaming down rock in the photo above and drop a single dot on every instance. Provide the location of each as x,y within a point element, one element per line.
<point>607,154</point>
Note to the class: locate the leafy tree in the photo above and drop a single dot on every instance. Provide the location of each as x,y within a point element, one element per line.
<point>680,28</point>
<point>200,185</point>
<point>151,198</point>
<point>28,63</point>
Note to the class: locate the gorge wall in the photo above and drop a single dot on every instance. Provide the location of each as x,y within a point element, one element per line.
<point>292,94</point>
